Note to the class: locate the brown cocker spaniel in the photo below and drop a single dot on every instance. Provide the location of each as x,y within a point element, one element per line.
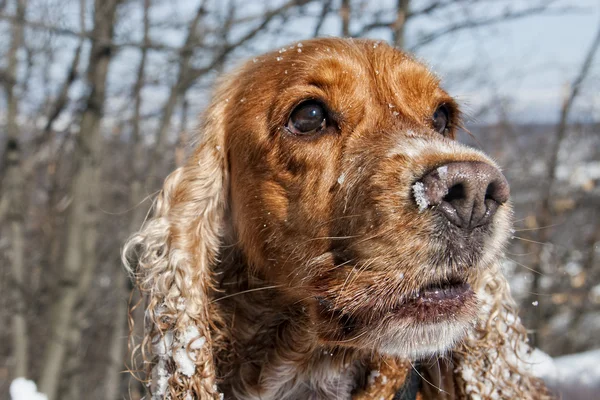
<point>329,239</point>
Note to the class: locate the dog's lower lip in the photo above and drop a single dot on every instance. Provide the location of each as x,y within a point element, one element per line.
<point>441,292</point>
<point>433,303</point>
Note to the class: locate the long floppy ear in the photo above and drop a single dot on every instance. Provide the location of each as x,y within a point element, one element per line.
<point>172,259</point>
<point>494,360</point>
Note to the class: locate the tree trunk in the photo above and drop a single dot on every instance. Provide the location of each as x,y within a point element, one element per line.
<point>398,28</point>
<point>12,200</point>
<point>79,254</point>
<point>119,333</point>
<point>182,139</point>
<point>116,351</point>
<point>178,89</point>
<point>345,14</point>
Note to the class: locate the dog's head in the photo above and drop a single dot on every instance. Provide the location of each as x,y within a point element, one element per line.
<point>348,190</point>
<point>331,166</point>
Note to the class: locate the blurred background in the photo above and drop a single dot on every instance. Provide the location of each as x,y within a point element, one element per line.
<point>100,98</point>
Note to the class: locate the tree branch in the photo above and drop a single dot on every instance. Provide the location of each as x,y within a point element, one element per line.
<point>510,16</point>
<point>324,12</point>
<point>224,52</point>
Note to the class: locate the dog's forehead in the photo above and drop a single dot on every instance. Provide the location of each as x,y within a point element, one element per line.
<point>350,73</point>
<point>333,61</point>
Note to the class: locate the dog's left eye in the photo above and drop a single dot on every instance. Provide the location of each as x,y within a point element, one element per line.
<point>441,118</point>
<point>309,117</point>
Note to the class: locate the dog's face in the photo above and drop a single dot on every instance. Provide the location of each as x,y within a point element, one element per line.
<point>348,191</point>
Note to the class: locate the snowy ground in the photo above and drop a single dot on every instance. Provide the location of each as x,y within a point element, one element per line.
<point>22,389</point>
<point>575,377</point>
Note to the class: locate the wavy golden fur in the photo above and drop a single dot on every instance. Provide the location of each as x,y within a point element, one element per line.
<point>276,263</point>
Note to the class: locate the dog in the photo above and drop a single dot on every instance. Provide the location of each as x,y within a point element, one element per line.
<point>329,239</point>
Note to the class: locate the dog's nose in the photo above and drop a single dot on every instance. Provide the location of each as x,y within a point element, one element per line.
<point>467,193</point>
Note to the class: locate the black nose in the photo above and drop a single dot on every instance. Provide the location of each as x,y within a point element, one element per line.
<point>467,193</point>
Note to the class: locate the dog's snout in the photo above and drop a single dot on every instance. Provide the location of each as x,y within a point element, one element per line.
<point>466,193</point>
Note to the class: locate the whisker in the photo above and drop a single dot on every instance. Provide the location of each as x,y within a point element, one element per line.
<point>531,241</point>
<point>134,206</point>
<point>333,238</point>
<point>374,236</point>
<point>540,294</point>
<point>247,291</point>
<point>422,377</point>
<point>344,286</point>
<point>352,338</point>
<point>539,228</point>
<point>338,218</point>
<point>526,267</point>
<point>362,269</point>
<point>519,254</point>
<point>519,220</point>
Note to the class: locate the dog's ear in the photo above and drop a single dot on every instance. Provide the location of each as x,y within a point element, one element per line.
<point>172,259</point>
<point>494,361</point>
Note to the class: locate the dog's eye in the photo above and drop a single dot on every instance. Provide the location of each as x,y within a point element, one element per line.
<point>441,118</point>
<point>309,117</point>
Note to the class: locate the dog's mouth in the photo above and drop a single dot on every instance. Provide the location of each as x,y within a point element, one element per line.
<point>435,301</point>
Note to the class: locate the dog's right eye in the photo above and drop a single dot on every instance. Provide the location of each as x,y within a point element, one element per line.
<point>307,118</point>
<point>441,119</point>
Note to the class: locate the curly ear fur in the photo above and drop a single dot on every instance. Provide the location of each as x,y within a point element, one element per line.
<point>492,361</point>
<point>171,259</point>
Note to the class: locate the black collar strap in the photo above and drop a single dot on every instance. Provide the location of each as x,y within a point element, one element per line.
<point>411,386</point>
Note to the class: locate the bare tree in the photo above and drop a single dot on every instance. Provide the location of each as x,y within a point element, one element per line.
<point>11,199</point>
<point>345,12</point>
<point>118,340</point>
<point>79,254</point>
<point>545,212</point>
<point>398,27</point>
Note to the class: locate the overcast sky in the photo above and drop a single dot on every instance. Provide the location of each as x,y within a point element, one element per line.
<point>528,62</point>
<point>532,60</point>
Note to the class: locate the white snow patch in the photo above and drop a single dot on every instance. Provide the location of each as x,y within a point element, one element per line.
<point>373,375</point>
<point>443,172</point>
<point>191,335</point>
<point>186,360</point>
<point>167,346</point>
<point>24,389</point>
<point>185,364</point>
<point>164,344</point>
<point>161,377</point>
<point>575,376</point>
<point>420,197</point>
